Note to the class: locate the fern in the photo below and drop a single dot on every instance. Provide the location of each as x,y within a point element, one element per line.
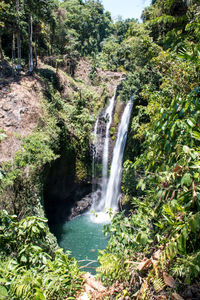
<point>187,267</point>
<point>33,273</point>
<point>158,285</point>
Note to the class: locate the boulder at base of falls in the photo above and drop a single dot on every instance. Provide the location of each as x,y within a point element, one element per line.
<point>81,206</point>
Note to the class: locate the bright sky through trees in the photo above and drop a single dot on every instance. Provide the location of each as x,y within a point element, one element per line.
<point>125,8</point>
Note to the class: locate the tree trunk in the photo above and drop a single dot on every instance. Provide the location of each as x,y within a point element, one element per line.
<point>35,53</point>
<point>36,34</point>
<point>13,54</point>
<point>30,45</point>
<point>18,41</point>
<point>1,51</point>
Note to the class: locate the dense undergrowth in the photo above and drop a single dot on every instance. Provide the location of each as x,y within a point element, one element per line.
<point>155,250</point>
<point>30,269</point>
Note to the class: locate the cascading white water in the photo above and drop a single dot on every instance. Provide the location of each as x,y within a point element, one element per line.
<point>113,187</point>
<point>108,117</point>
<point>110,195</point>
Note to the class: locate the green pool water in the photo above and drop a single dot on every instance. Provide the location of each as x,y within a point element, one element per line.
<point>83,238</point>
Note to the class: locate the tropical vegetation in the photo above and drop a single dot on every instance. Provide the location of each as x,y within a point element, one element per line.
<point>157,243</point>
<point>154,249</point>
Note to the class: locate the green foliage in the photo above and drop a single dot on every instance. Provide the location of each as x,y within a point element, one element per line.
<point>67,28</point>
<point>108,58</point>
<point>129,179</point>
<point>122,238</point>
<point>21,180</point>
<point>136,49</point>
<point>16,16</point>
<point>94,77</point>
<point>111,268</point>
<point>161,169</point>
<point>112,131</point>
<point>187,267</point>
<point>89,22</point>
<point>37,151</point>
<point>28,267</point>
<point>167,21</point>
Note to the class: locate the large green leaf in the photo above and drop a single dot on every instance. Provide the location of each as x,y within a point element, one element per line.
<point>186,180</point>
<point>3,292</point>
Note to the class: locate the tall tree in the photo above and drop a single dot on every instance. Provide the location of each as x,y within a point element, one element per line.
<point>5,17</point>
<point>36,13</point>
<point>89,21</point>
<point>13,53</point>
<point>30,44</point>
<point>18,36</point>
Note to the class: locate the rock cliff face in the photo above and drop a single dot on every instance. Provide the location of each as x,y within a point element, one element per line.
<point>19,112</point>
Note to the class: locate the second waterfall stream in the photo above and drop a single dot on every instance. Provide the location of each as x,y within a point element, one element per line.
<point>110,185</point>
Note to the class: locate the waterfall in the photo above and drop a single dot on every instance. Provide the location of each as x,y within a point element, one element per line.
<point>111,188</point>
<point>108,118</point>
